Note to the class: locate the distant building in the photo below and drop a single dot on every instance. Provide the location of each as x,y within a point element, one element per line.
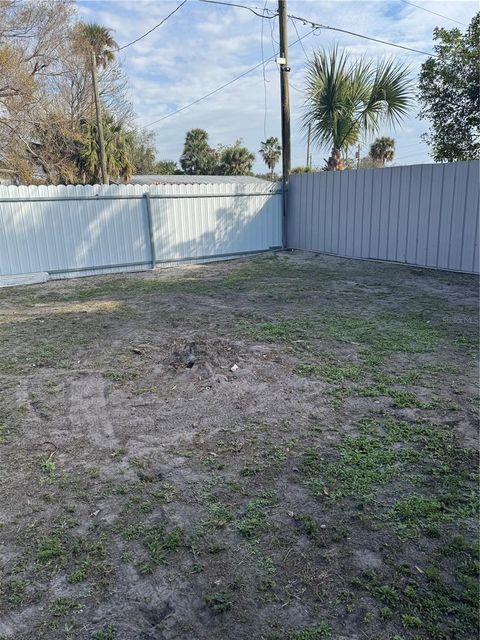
<point>183,179</point>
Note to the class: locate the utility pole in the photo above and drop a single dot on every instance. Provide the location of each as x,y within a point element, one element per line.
<point>309,160</point>
<point>98,111</point>
<point>285,98</point>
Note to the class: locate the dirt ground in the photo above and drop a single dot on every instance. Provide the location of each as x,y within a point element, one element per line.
<point>274,448</point>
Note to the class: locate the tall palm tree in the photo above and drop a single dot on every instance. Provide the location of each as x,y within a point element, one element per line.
<point>99,46</point>
<point>345,98</point>
<point>271,151</point>
<point>382,150</point>
<point>92,36</point>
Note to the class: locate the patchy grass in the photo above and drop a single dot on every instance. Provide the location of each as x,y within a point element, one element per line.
<point>255,520</point>
<point>326,485</point>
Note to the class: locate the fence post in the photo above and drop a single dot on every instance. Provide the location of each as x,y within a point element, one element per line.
<point>151,234</point>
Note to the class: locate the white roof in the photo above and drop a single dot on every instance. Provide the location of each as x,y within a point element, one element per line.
<point>183,179</point>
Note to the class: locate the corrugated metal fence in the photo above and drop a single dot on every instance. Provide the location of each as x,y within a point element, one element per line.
<point>81,230</point>
<point>423,215</point>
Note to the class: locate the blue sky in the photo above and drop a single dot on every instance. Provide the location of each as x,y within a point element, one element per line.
<point>204,46</point>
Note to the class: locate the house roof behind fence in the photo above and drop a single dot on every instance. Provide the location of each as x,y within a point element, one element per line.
<point>182,179</point>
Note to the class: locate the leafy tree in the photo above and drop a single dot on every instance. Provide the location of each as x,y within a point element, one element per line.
<point>268,176</point>
<point>235,160</point>
<point>301,170</point>
<point>449,92</point>
<point>142,152</point>
<point>382,150</point>
<point>345,98</point>
<point>271,151</point>
<point>46,91</point>
<point>166,168</point>
<point>197,157</point>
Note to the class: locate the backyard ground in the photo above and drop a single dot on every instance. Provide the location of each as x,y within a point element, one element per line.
<point>274,448</point>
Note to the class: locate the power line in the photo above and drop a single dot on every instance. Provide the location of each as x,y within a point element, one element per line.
<point>153,28</point>
<point>322,26</point>
<point>434,12</point>
<point>241,6</point>
<point>306,21</point>
<point>298,36</point>
<point>265,106</point>
<point>223,86</point>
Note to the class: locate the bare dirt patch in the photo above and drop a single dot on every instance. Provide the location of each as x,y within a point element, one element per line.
<point>277,448</point>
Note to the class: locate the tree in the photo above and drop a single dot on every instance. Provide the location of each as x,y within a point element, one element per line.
<point>99,44</point>
<point>382,150</point>
<point>301,169</point>
<point>142,152</point>
<point>46,91</point>
<point>235,160</point>
<point>166,168</point>
<point>197,157</point>
<point>449,92</point>
<point>94,37</point>
<point>345,98</point>
<point>271,151</point>
<point>118,146</point>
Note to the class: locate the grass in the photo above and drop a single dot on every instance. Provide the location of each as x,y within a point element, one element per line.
<point>330,370</point>
<point>255,520</point>
<point>317,632</point>
<point>158,542</point>
<point>219,601</point>
<point>107,633</point>
<point>283,510</point>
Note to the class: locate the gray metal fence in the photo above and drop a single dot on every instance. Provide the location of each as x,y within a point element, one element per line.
<point>423,215</point>
<point>82,230</point>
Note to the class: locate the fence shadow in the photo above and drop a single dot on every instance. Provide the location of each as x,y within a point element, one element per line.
<point>84,235</point>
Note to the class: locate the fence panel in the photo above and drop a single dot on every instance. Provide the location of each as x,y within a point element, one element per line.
<point>81,230</point>
<point>425,215</point>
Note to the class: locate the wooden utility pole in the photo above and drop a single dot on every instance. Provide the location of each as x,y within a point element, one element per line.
<point>98,112</point>
<point>285,98</point>
<point>309,160</point>
<point>284,88</point>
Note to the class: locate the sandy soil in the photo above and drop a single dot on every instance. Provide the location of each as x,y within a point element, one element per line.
<point>276,447</point>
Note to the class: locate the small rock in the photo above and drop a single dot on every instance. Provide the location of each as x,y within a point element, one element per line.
<point>234,368</point>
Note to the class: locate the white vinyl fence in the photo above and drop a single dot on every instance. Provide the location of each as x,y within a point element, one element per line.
<point>424,215</point>
<point>81,230</point>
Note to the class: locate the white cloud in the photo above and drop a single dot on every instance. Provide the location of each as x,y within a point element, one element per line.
<point>204,46</point>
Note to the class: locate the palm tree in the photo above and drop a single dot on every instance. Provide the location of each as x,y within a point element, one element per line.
<point>271,152</point>
<point>382,150</point>
<point>346,98</point>
<point>94,37</point>
<point>99,45</point>
<point>197,157</point>
<point>118,150</point>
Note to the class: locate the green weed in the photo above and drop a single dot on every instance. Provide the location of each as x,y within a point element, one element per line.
<point>219,601</point>
<point>255,517</point>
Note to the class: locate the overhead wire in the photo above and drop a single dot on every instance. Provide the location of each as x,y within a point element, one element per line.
<point>129,44</point>
<point>241,6</point>
<point>298,36</point>
<point>307,21</point>
<point>223,86</point>
<point>265,105</point>
<point>417,6</point>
